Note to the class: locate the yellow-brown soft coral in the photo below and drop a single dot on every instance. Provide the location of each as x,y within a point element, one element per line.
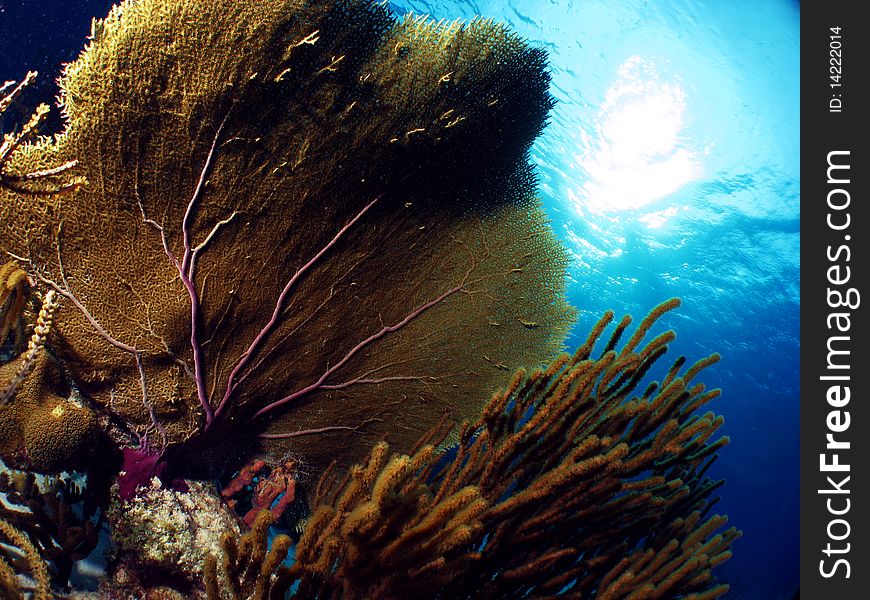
<point>247,564</point>
<point>282,232</point>
<point>571,484</point>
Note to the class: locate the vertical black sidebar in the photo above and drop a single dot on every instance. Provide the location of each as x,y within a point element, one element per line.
<point>835,267</point>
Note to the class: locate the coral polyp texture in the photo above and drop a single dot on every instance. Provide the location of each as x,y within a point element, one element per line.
<point>306,222</point>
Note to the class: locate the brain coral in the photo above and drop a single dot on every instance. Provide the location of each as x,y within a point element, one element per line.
<point>306,221</point>
<point>41,429</point>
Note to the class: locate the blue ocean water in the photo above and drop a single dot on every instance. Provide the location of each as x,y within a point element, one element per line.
<point>670,168</point>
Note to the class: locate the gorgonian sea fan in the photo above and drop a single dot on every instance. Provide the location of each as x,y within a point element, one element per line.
<point>313,224</point>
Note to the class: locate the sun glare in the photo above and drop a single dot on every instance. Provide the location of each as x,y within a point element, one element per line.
<point>635,156</point>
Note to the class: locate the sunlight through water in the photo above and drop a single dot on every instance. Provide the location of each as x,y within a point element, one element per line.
<point>637,155</point>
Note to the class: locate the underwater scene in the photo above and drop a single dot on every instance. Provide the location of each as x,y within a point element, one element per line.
<point>445,299</point>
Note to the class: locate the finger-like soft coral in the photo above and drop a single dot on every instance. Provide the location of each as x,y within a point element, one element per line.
<point>572,483</point>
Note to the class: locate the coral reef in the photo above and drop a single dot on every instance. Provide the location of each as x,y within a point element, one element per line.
<point>260,239</point>
<point>281,234</point>
<point>568,485</point>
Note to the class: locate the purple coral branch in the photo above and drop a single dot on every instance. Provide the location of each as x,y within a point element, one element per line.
<point>198,369</point>
<point>198,365</point>
<point>185,270</point>
<point>353,351</point>
<point>279,308</point>
<point>292,434</point>
<point>186,273</point>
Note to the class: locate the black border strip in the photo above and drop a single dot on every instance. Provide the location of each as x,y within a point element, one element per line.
<point>835,227</point>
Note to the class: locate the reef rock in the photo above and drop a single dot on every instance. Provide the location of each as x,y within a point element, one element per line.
<point>163,535</point>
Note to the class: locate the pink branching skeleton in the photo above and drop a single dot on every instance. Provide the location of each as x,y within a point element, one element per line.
<point>186,268</point>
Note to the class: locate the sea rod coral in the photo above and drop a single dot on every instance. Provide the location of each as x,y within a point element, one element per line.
<point>273,234</point>
<point>570,484</point>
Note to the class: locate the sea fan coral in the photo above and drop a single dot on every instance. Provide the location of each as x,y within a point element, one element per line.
<point>281,232</point>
